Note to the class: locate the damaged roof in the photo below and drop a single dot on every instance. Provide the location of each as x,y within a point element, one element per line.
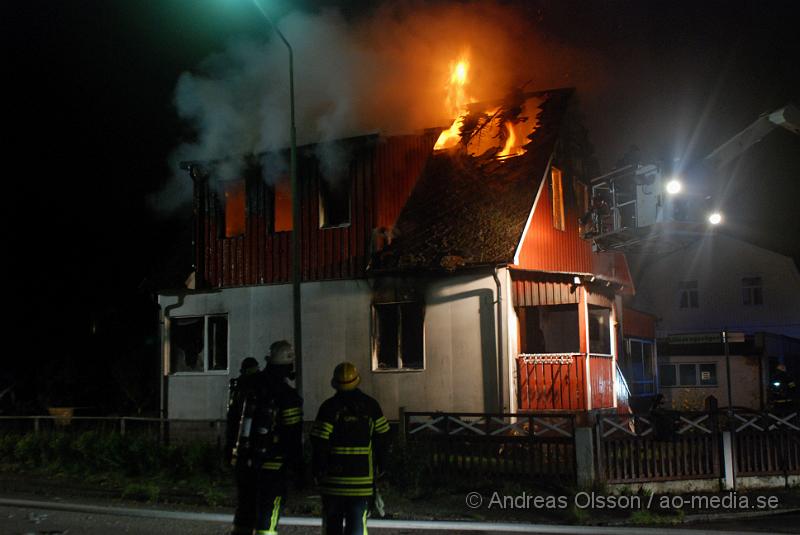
<point>469,211</point>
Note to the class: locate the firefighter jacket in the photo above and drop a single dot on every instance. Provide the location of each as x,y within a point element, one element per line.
<point>281,445</point>
<point>350,439</point>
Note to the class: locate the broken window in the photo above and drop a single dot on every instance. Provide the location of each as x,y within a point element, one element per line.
<point>334,203</point>
<point>198,343</point>
<point>558,198</point>
<point>599,330</point>
<point>752,291</point>
<point>549,329</point>
<point>398,340</point>
<point>688,296</point>
<point>282,205</point>
<point>234,193</point>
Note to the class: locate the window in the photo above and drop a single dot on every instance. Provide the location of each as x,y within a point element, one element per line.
<point>688,374</point>
<point>334,203</point>
<point>398,339</point>
<point>198,343</point>
<point>752,291</point>
<point>234,193</point>
<point>640,365</point>
<point>549,329</point>
<point>282,205</point>
<point>666,374</point>
<point>688,294</point>
<point>558,198</point>
<point>599,330</point>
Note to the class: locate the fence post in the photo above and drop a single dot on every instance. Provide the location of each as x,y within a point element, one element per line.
<point>727,453</point>
<point>584,456</point>
<point>122,426</point>
<point>36,425</point>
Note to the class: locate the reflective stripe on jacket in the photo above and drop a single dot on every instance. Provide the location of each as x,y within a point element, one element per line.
<point>349,438</point>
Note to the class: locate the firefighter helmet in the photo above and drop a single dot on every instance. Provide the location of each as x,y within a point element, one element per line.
<point>280,354</point>
<point>249,365</point>
<point>345,377</point>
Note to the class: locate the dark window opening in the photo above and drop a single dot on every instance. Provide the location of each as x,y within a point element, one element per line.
<point>599,330</point>
<point>688,374</point>
<point>752,291</point>
<point>198,344</point>
<point>398,332</point>
<point>334,203</point>
<point>234,193</point>
<point>282,205</point>
<point>549,329</point>
<point>688,294</point>
<point>667,376</point>
<point>640,366</point>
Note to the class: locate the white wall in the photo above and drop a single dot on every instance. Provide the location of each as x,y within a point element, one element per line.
<point>719,263</point>
<point>460,345</point>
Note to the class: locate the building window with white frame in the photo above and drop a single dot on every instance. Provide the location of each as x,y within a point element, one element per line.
<point>752,291</point>
<point>689,374</point>
<point>398,336</point>
<point>688,294</point>
<point>198,344</point>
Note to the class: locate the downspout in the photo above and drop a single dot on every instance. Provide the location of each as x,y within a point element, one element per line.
<point>499,304</point>
<point>162,379</point>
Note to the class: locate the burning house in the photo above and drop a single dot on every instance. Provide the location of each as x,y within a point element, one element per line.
<point>447,265</point>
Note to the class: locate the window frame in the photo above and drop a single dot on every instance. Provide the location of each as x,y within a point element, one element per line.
<point>697,375</point>
<point>375,333</point>
<point>322,204</point>
<point>654,383</point>
<point>223,210</point>
<point>557,178</point>
<point>750,291</point>
<point>206,356</point>
<point>691,290</point>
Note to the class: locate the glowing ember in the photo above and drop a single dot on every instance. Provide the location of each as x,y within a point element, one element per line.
<point>457,101</point>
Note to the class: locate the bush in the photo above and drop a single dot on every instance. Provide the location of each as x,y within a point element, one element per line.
<point>94,452</point>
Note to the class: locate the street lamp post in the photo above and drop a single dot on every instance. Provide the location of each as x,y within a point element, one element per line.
<point>296,311</point>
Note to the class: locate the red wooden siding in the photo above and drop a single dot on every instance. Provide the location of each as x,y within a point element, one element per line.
<point>545,248</point>
<point>548,249</point>
<point>601,372</point>
<point>531,293</point>
<point>398,163</point>
<point>382,175</point>
<point>552,385</point>
<point>636,324</point>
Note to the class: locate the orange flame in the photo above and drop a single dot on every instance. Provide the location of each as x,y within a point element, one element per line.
<point>457,102</point>
<point>511,148</point>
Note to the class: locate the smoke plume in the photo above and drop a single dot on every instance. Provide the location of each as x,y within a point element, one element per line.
<point>385,71</point>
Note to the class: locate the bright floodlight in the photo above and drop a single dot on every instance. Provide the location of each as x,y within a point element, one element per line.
<point>715,218</point>
<point>674,186</point>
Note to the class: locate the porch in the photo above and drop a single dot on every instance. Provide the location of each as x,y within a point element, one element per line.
<point>567,343</point>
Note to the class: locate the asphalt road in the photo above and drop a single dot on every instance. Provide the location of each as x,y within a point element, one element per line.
<point>41,520</point>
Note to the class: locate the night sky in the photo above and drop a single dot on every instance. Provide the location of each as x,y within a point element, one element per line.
<point>92,126</point>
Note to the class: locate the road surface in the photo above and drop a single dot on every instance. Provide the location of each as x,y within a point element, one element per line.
<point>28,517</point>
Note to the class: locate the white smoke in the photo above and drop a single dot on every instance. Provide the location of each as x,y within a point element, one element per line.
<point>386,72</point>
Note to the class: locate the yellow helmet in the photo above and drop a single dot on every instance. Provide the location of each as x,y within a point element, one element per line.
<point>345,377</point>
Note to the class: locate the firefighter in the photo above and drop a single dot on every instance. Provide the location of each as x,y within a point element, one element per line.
<point>266,414</point>
<point>593,221</point>
<point>350,439</point>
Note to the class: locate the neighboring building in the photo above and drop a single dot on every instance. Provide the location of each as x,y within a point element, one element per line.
<point>454,279</point>
<point>721,283</point>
